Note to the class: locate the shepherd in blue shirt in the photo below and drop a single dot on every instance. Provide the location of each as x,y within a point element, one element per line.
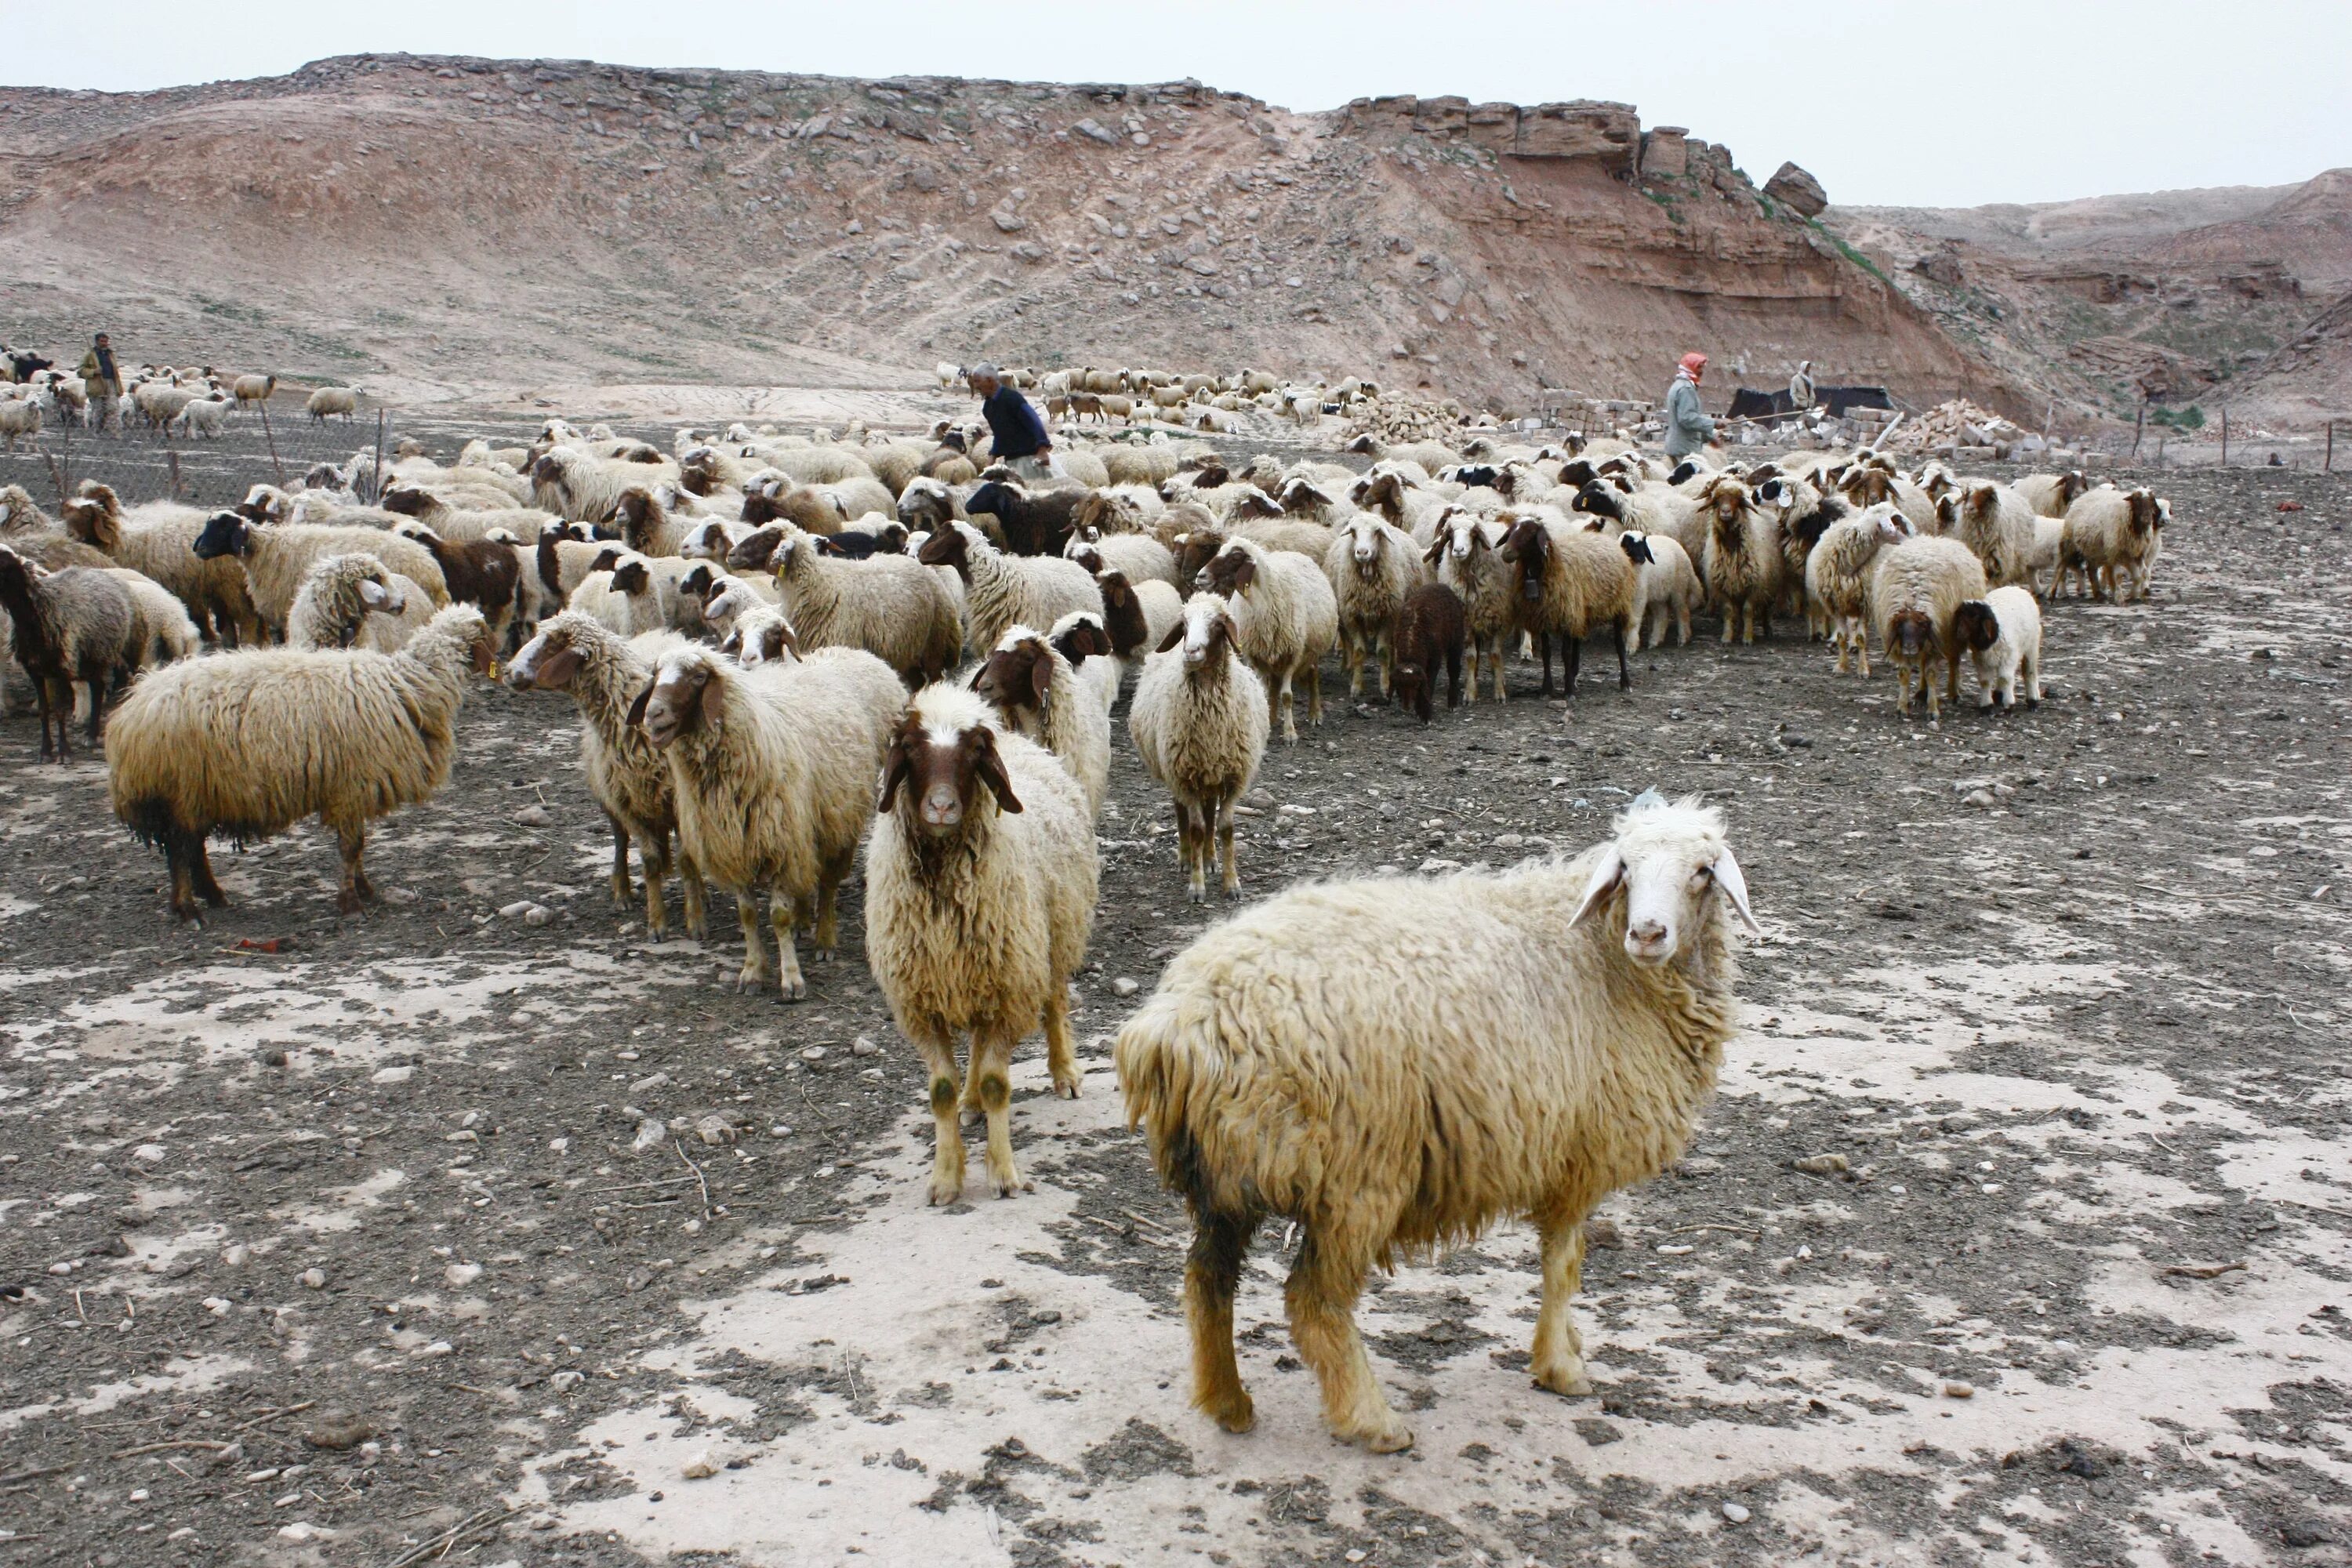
<point>1015,432</point>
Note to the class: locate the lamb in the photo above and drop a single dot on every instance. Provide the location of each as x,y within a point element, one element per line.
<point>1373,565</point>
<point>1838,577</point>
<point>338,595</point>
<point>2002,632</point>
<point>2043,566</point>
<point>1430,630</point>
<point>1286,618</point>
<point>1665,587</point>
<point>159,539</point>
<point>1865,484</point>
<point>1396,1063</point>
<point>1081,637</point>
<point>250,743</point>
<point>1199,721</point>
<point>654,588</point>
<point>712,539</point>
<point>2110,531</point>
<point>1002,589</point>
<point>630,780</point>
<point>205,417</point>
<point>20,420</point>
<point>276,558</point>
<point>1916,590</point>
<point>1569,583</point>
<point>1140,556</point>
<point>773,773</point>
<point>1037,693</point>
<point>980,880</point>
<point>726,600</point>
<point>1465,553</point>
<point>484,573</point>
<point>1995,522</point>
<point>77,624</point>
<point>889,605</point>
<point>328,401</point>
<point>2051,494</point>
<point>600,601</point>
<point>1137,615</point>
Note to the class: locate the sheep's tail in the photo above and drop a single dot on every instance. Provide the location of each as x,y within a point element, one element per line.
<point>1166,1079</point>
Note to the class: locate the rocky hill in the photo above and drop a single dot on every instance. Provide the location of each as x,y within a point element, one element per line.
<point>2186,296</point>
<point>460,226</point>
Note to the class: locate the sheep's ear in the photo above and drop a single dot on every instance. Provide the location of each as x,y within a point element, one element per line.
<point>637,709</point>
<point>1435,552</point>
<point>1607,873</point>
<point>1040,680</point>
<point>990,766</point>
<point>896,765</point>
<point>372,594</point>
<point>1735,888</point>
<point>1175,635</point>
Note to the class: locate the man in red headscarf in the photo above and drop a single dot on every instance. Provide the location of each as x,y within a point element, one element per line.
<point>1688,427</point>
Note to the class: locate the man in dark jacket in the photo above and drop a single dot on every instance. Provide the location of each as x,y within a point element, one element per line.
<point>1015,432</point>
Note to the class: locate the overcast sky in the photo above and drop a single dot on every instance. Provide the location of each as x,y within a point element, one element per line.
<point>1914,103</point>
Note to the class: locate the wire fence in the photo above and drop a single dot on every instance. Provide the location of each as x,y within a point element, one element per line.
<point>273,443</point>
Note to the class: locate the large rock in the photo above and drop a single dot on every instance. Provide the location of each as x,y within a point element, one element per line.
<point>1441,116</point>
<point>1610,132</point>
<point>1798,191</point>
<point>1665,153</point>
<point>1495,125</point>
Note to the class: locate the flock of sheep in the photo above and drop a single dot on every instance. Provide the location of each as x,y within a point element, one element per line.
<point>190,404</point>
<point>783,650</point>
<point>1196,402</point>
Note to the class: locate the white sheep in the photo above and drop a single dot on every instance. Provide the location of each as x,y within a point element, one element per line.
<point>1002,589</point>
<point>1199,721</point>
<point>1998,523</point>
<point>2002,632</point>
<point>1396,1063</point>
<point>1464,551</point>
<point>980,880</point>
<point>772,771</point>
<point>1665,588</point>
<point>1838,576</point>
<point>1742,564</point>
<point>338,596</point>
<point>332,400</point>
<point>1081,637</point>
<point>1372,565</point>
<point>252,742</point>
<point>1036,693</point>
<point>890,606</point>
<point>1916,590</point>
<point>1286,618</point>
<point>2112,537</point>
<point>278,556</point>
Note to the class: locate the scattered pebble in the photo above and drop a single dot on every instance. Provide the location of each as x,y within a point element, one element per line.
<point>1123,986</point>
<point>533,816</point>
<point>1820,1164</point>
<point>701,1466</point>
<point>461,1275</point>
<point>1956,1389</point>
<point>650,1134</point>
<point>392,1075</point>
<point>1735,1512</point>
<point>148,1153</point>
<point>314,1279</point>
<point>1676,1249</point>
<point>864,1045</point>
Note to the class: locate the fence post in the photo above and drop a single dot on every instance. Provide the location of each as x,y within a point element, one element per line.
<point>375,481</point>
<point>57,475</point>
<point>171,454</point>
<point>269,436</point>
<point>2225,435</point>
<point>2327,466</point>
<point>2139,419</point>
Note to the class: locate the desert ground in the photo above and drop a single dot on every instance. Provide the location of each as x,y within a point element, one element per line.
<point>481,1229</point>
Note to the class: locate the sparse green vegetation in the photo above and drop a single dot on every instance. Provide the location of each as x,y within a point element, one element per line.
<point>2189,418</point>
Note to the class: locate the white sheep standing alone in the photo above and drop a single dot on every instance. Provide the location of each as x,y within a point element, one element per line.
<point>980,879</point>
<point>1372,565</point>
<point>249,743</point>
<point>2002,632</point>
<point>1200,721</point>
<point>1394,1064</point>
<point>332,400</point>
<point>1665,587</point>
<point>1286,618</point>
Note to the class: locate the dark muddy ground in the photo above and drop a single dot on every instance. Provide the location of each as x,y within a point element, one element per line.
<point>328,1241</point>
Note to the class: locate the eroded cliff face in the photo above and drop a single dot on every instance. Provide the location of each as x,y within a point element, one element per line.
<point>465,224</point>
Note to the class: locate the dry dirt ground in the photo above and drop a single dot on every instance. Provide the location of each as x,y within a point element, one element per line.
<point>348,1241</point>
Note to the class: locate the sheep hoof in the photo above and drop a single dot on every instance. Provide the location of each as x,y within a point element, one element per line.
<point>1236,1416</point>
<point>794,990</point>
<point>945,1190</point>
<point>1393,1437</point>
<point>1066,1086</point>
<point>1233,892</point>
<point>1568,1381</point>
<point>827,954</point>
<point>347,902</point>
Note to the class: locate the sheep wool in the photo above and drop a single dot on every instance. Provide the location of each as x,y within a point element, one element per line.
<point>1396,1063</point>
<point>1036,693</point>
<point>980,880</point>
<point>1199,721</point>
<point>890,606</point>
<point>1916,590</point>
<point>249,743</point>
<point>2002,632</point>
<point>1372,565</point>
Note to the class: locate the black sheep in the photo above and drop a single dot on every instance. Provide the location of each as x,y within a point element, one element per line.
<point>1035,523</point>
<point>1430,628</point>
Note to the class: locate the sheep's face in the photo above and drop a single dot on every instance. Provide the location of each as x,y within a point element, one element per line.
<point>1085,639</point>
<point>1669,866</point>
<point>1636,547</point>
<point>631,577</point>
<point>1257,503</point>
<point>406,500</point>
<point>1300,496</point>
<point>1086,555</point>
<point>2143,512</point>
<point>1230,571</point>
<point>547,662</point>
<point>1975,626</point>
<point>1529,547</point>
<point>924,503</point>
<point>1977,503</point>
<point>1016,677</point>
<point>940,770</point>
<point>767,640</point>
<point>947,547</point>
<point>1727,500</point>
<point>1366,544</point>
<point>685,694</point>
<point>225,534</point>
<point>1910,633</point>
<point>1599,499</point>
<point>1206,633</point>
<point>756,549</point>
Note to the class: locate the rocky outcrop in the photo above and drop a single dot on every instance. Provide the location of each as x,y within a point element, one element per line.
<point>410,220</point>
<point>1798,191</point>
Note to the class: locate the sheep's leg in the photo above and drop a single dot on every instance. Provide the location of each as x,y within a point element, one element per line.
<point>991,1066</point>
<point>1212,1272</point>
<point>1862,645</point>
<point>1559,1362</point>
<point>1544,638</point>
<point>754,973</point>
<point>828,916</point>
<point>1952,672</point>
<point>2030,674</point>
<point>1494,663</point>
<point>624,894</point>
<point>1282,700</point>
<point>1351,649</point>
<point>781,908</point>
<point>351,838</point>
<point>1321,1297</point>
<point>1061,1051</point>
<point>1314,673</point>
<point>946,1134</point>
<point>1233,874</point>
<point>1682,623</point>
<point>45,698</point>
<point>97,707</point>
<point>1453,678</point>
<point>1192,844</point>
<point>1572,661</point>
<point>183,898</point>
<point>1384,657</point>
<point>1624,671</point>
<point>201,865</point>
<point>690,880</point>
<point>1844,638</point>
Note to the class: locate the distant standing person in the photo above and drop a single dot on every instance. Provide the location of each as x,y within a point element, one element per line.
<point>103,380</point>
<point>1800,388</point>
<point>1014,430</point>
<point>1688,427</point>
